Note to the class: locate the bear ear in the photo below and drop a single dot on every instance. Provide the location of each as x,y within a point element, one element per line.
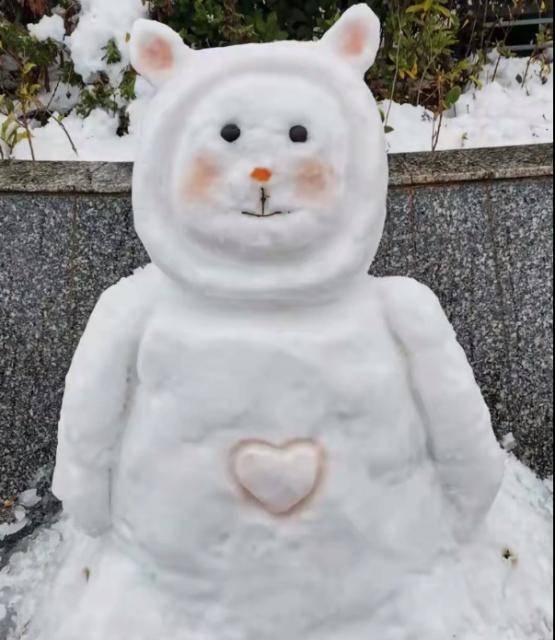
<point>355,38</point>
<point>156,51</point>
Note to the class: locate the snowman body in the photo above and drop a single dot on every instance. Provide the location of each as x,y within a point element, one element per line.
<point>337,382</point>
<point>257,429</point>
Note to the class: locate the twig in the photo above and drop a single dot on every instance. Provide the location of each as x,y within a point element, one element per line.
<point>395,79</point>
<point>66,132</point>
<point>25,124</point>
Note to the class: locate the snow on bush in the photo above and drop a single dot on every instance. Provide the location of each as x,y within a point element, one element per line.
<point>94,99</point>
<point>49,27</point>
<point>503,112</point>
<point>101,22</point>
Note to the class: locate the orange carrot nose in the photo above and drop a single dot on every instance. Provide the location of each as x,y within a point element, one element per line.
<point>261,175</point>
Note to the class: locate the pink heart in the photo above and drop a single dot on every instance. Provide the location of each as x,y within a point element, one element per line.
<point>278,478</point>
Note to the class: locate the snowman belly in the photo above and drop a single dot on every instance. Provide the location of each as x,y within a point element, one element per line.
<point>253,466</point>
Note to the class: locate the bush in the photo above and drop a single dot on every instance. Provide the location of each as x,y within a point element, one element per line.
<point>431,48</point>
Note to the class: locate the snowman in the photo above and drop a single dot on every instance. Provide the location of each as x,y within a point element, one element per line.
<point>265,441</point>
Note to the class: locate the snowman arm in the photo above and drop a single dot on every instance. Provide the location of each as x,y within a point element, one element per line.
<point>93,411</point>
<point>468,458</point>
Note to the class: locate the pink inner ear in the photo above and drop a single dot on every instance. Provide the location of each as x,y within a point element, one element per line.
<point>355,40</point>
<point>157,55</point>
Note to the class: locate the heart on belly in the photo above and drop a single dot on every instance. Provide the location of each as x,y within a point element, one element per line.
<point>279,478</point>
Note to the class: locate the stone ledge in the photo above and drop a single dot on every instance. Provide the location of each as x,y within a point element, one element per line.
<point>410,169</point>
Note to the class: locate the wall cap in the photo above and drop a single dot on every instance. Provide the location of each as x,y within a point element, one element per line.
<point>408,169</point>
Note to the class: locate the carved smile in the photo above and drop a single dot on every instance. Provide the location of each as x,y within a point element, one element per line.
<point>266,215</point>
<point>264,212</point>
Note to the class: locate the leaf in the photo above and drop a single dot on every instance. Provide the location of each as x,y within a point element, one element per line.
<point>417,8</point>
<point>413,73</point>
<point>19,137</point>
<point>444,10</point>
<point>28,67</point>
<point>388,129</point>
<point>453,96</point>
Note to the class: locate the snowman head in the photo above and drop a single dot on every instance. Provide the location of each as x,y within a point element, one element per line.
<point>262,172</point>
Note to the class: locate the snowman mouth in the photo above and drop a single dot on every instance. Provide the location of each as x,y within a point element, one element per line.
<point>264,211</point>
<point>252,214</point>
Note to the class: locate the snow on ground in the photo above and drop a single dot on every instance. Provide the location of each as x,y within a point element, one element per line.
<point>508,567</point>
<point>503,112</point>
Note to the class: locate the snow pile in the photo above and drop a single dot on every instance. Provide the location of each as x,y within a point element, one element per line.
<point>513,107</point>
<point>48,27</point>
<point>101,21</point>
<point>508,568</point>
<point>94,137</point>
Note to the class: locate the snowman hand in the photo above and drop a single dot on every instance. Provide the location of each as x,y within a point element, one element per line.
<point>85,494</point>
<point>469,461</point>
<point>93,416</point>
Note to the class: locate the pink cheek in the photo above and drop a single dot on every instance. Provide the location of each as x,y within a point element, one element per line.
<point>201,180</point>
<point>314,179</point>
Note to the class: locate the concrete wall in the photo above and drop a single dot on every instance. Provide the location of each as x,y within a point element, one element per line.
<point>474,225</point>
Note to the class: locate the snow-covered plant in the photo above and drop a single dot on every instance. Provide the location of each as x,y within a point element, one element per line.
<point>28,68</point>
<point>65,57</point>
<point>11,132</point>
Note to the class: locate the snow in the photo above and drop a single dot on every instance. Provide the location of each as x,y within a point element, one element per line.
<point>94,137</point>
<point>11,528</point>
<point>511,599</point>
<point>29,499</point>
<point>252,421</point>
<point>48,27</point>
<point>101,21</point>
<point>503,112</point>
<point>202,394</point>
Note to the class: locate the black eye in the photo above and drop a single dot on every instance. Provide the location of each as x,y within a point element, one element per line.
<point>231,133</point>
<point>299,134</point>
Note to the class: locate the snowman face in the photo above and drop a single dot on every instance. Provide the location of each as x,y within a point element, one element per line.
<point>260,167</point>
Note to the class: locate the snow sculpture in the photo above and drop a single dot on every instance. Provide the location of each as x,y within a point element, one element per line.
<point>267,442</point>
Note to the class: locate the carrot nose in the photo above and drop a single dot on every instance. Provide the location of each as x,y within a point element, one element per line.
<point>261,175</point>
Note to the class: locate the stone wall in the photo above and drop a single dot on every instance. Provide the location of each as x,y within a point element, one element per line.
<point>476,226</point>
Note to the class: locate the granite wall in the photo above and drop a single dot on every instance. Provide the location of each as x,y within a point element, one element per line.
<point>476,226</point>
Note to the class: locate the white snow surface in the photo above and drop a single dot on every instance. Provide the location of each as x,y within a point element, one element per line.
<point>503,112</point>
<point>48,27</point>
<point>99,22</point>
<point>508,599</point>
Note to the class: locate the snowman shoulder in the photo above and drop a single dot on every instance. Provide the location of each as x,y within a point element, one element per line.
<point>413,312</point>
<point>121,309</point>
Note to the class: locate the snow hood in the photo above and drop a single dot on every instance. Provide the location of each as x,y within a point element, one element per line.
<point>262,171</point>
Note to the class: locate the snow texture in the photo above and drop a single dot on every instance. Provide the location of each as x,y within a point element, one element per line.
<point>507,567</point>
<point>101,21</point>
<point>287,423</point>
<point>48,27</point>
